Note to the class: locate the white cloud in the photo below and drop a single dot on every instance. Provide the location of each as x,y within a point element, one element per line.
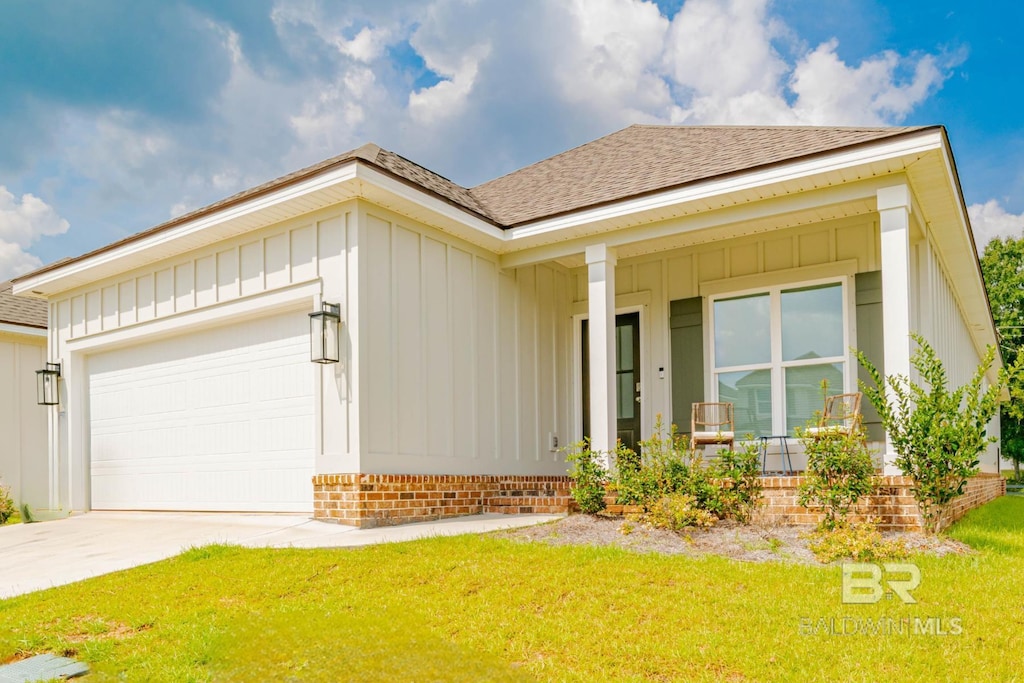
<point>505,84</point>
<point>990,220</point>
<point>833,92</point>
<point>724,49</point>
<point>22,222</point>
<point>447,98</point>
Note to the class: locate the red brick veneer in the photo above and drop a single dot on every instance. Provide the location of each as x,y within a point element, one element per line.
<point>368,500</point>
<point>893,504</point>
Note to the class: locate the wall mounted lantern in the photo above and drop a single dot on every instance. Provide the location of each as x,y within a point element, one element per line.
<point>46,385</point>
<point>324,334</point>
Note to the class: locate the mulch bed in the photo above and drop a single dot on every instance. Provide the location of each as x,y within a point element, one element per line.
<point>744,542</point>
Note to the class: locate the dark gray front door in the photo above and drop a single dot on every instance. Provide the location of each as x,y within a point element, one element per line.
<point>627,378</point>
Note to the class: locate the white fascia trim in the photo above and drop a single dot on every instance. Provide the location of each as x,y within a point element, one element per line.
<point>322,181</point>
<point>429,201</point>
<point>915,144</point>
<point>219,313</point>
<point>22,329</point>
<point>351,171</point>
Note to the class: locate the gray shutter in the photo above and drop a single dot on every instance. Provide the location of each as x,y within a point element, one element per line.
<point>686,323</point>
<point>870,340</point>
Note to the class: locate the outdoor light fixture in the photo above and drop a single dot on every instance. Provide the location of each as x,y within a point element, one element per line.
<point>46,385</point>
<point>324,334</point>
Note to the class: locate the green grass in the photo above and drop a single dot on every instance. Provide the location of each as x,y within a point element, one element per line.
<point>13,519</point>
<point>478,608</point>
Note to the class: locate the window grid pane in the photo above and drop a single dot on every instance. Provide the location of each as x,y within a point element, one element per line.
<point>743,331</point>
<point>812,322</point>
<point>750,392</point>
<point>804,393</point>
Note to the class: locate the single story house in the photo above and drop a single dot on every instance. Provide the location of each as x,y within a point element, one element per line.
<point>482,329</point>
<point>23,424</point>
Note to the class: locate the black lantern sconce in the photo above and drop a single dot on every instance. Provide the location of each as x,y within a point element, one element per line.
<point>46,385</point>
<point>325,333</point>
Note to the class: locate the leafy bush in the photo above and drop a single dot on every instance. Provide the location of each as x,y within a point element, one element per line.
<point>937,433</point>
<point>665,465</point>
<point>728,487</point>
<point>634,484</point>
<point>862,542</point>
<point>735,480</point>
<point>840,472</point>
<point>7,508</point>
<point>678,511</point>
<point>588,476</point>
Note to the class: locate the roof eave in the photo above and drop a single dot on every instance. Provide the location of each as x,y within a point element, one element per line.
<point>21,329</point>
<point>904,144</point>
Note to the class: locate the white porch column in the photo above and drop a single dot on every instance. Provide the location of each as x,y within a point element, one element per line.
<point>894,213</point>
<point>601,332</point>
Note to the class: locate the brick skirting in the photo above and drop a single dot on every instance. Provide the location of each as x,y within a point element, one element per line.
<point>893,504</point>
<point>369,500</point>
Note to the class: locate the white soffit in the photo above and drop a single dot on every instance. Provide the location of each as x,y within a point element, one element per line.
<point>934,182</point>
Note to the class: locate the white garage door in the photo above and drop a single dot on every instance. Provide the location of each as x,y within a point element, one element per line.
<point>221,419</point>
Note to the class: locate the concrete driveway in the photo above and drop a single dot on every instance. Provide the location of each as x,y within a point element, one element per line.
<point>48,554</point>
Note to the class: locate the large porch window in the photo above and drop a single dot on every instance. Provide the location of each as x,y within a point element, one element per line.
<point>771,349</point>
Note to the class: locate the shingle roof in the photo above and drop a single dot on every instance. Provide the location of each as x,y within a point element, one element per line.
<point>628,163</point>
<point>19,310</point>
<point>642,159</point>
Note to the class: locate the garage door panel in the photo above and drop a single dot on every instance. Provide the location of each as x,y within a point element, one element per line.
<point>217,420</point>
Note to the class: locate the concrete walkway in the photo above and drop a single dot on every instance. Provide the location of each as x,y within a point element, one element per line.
<point>47,554</point>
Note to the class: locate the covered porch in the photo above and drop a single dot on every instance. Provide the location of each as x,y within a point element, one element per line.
<point>757,307</point>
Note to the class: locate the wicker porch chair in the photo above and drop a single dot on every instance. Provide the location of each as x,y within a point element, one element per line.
<point>712,423</point>
<point>842,416</point>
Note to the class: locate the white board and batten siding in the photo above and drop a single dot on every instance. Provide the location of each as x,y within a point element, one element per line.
<point>23,424</point>
<point>467,367</point>
<point>937,315</point>
<point>192,376</point>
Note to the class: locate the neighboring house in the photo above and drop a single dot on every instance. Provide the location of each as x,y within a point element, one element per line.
<point>23,424</point>
<point>691,263</point>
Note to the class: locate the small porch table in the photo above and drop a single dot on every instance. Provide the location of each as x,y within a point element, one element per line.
<point>783,452</point>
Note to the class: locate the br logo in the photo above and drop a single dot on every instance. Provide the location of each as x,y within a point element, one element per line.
<point>863,582</point>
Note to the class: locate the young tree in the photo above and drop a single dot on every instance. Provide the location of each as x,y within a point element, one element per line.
<point>937,433</point>
<point>1003,267</point>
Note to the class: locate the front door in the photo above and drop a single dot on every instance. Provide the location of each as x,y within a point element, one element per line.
<point>627,378</point>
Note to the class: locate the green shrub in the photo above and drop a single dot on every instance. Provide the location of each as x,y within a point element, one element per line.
<point>937,433</point>
<point>664,465</point>
<point>634,484</point>
<point>735,483</point>
<point>728,487</point>
<point>678,511</point>
<point>862,542</point>
<point>840,472</point>
<point>7,508</point>
<point>588,477</point>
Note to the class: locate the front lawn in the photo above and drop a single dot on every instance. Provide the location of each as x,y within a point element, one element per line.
<point>478,608</point>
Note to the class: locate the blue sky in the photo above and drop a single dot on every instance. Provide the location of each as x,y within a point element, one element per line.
<point>119,115</point>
